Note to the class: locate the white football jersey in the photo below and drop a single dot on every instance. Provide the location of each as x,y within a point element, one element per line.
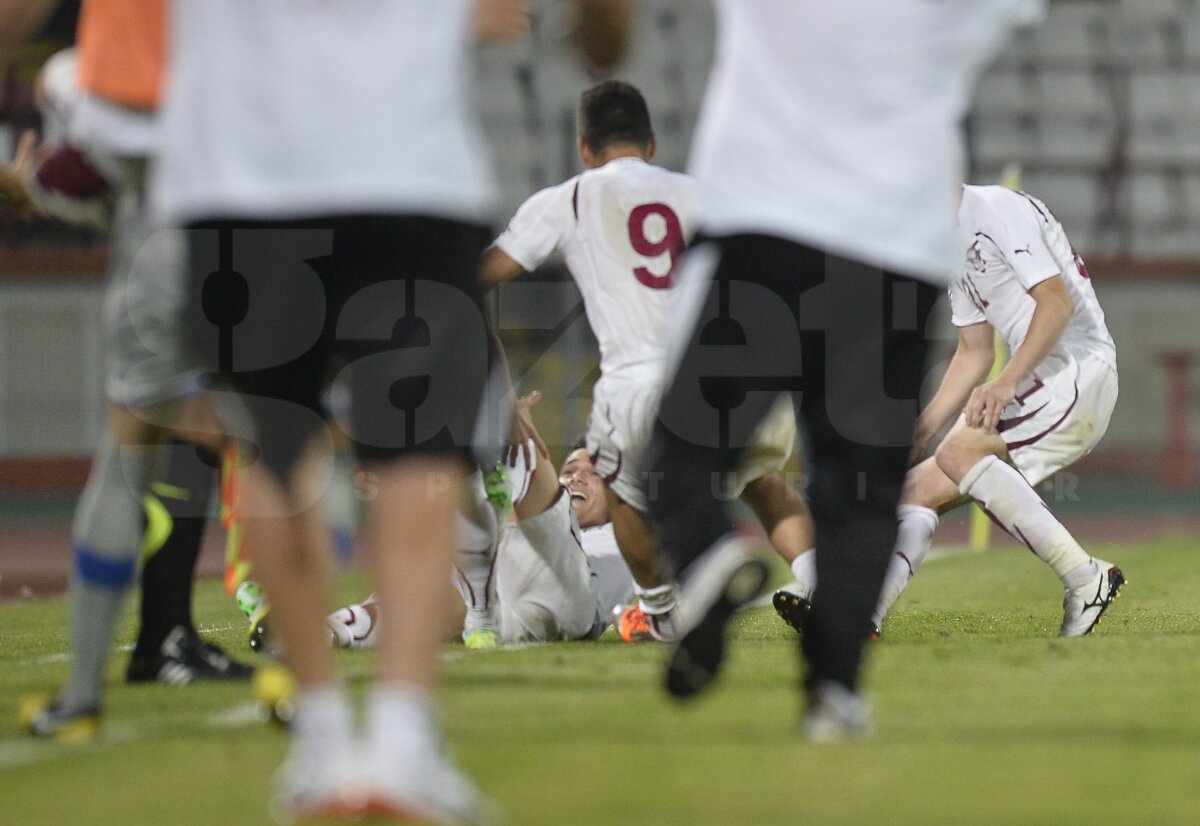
<point>294,108</point>
<point>836,124</point>
<point>1011,242</point>
<point>620,228</point>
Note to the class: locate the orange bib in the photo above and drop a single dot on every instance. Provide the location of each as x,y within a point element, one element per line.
<point>121,50</point>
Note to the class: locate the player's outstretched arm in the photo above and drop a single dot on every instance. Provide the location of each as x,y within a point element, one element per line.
<point>1050,318</point>
<point>972,360</point>
<point>543,485</point>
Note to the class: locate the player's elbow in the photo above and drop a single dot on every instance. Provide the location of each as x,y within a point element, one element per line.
<point>496,268</point>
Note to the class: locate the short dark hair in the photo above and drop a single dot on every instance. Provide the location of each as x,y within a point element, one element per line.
<point>611,113</point>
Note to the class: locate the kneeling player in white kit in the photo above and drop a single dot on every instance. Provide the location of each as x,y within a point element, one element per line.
<point>1048,408</point>
<point>620,226</point>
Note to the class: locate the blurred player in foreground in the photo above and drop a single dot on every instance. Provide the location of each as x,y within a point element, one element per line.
<point>621,225</point>
<point>98,103</point>
<point>828,150</point>
<point>308,140</point>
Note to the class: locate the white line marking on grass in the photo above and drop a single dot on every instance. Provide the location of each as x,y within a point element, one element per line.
<point>17,753</point>
<point>53,659</point>
<point>49,659</point>
<point>245,714</point>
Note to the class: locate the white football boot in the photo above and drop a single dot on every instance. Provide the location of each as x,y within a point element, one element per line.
<point>1084,604</point>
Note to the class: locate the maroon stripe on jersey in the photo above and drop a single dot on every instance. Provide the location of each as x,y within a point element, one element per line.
<point>1037,385</point>
<point>1033,439</point>
<point>575,201</point>
<point>612,477</point>
<point>1009,424</point>
<point>1041,211</point>
<point>973,293</point>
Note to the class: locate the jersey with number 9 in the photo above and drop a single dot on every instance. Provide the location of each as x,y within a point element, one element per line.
<point>620,228</point>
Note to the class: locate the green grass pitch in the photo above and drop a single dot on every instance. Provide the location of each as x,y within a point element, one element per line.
<point>983,717</point>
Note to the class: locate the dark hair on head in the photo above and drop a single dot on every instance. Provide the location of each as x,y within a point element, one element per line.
<point>580,443</point>
<point>613,112</point>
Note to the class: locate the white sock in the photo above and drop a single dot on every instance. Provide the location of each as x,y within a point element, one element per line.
<point>657,600</point>
<point>323,719</point>
<point>475,571</point>
<point>1003,492</point>
<point>400,726</point>
<point>804,569</point>
<point>913,538</point>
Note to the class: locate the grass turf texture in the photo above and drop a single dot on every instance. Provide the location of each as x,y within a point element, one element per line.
<point>983,717</point>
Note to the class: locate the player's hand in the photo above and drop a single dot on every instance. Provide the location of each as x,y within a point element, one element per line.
<point>12,176</point>
<point>501,21</point>
<point>523,431</point>
<point>987,403</point>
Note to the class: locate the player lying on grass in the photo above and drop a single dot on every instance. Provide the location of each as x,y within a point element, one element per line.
<point>620,225</point>
<point>551,572</point>
<point>524,580</point>
<point>526,584</point>
<point>1047,408</point>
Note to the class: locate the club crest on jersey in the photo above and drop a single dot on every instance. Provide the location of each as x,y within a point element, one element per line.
<point>975,258</point>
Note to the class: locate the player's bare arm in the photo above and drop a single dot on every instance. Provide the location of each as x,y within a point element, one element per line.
<point>1053,311</point>
<point>497,268</point>
<point>973,358</point>
<point>602,32</point>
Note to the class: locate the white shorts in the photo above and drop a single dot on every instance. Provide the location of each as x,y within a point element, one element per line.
<point>1056,421</point>
<point>545,587</point>
<point>619,428</point>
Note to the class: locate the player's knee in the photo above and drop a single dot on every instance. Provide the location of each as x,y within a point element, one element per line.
<point>927,485</point>
<point>959,452</point>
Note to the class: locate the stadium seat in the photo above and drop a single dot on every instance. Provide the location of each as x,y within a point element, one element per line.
<point>1155,199</point>
<point>1072,32</point>
<point>1165,117</point>
<point>1075,198</point>
<point>1005,91</point>
<point>1075,92</point>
